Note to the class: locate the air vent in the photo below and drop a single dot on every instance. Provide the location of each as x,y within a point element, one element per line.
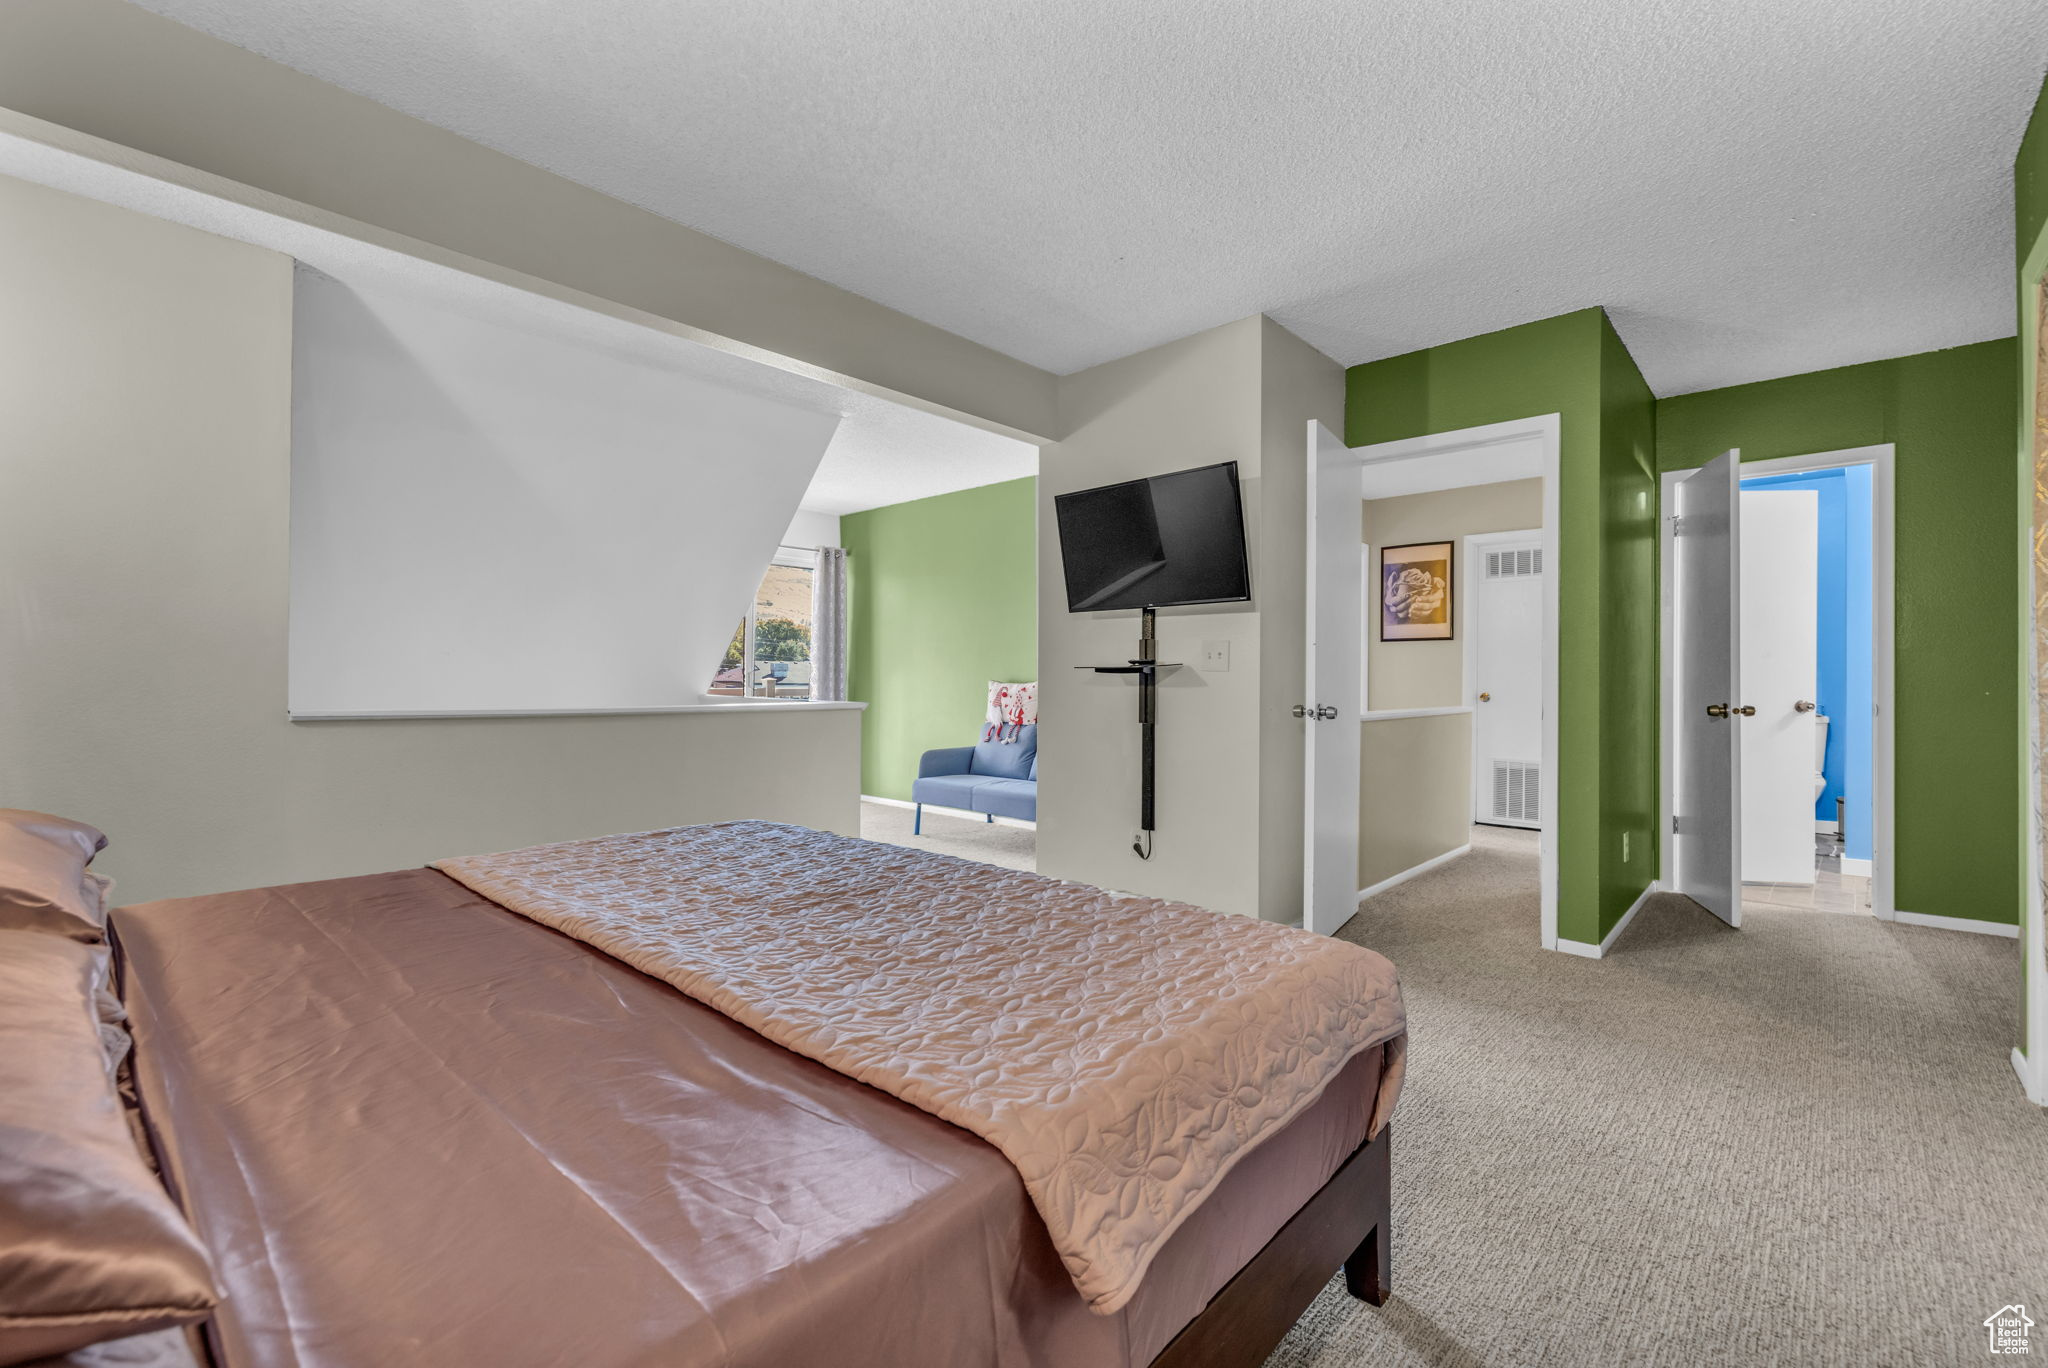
<point>1519,563</point>
<point>1517,791</point>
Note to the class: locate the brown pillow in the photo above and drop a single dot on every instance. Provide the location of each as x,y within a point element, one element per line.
<point>91,1246</point>
<point>44,885</point>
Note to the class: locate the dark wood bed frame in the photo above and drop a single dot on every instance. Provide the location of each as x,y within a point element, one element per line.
<point>1345,1222</point>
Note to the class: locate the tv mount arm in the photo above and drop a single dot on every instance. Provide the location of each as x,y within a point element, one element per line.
<point>1146,666</point>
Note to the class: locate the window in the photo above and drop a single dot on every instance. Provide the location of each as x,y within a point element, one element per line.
<point>770,654</point>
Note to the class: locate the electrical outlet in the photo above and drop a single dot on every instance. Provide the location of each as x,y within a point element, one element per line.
<point>1215,655</point>
<point>1624,847</point>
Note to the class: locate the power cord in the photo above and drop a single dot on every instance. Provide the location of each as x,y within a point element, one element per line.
<point>1143,845</point>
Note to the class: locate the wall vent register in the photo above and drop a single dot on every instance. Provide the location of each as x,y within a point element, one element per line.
<point>1515,563</point>
<point>1517,788</point>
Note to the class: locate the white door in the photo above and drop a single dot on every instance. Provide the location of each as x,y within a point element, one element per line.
<point>1330,711</point>
<point>1779,624</point>
<point>1705,597</point>
<point>1503,579</point>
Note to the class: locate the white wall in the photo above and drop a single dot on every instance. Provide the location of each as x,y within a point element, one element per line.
<point>143,516</point>
<point>810,528</point>
<point>1229,755</point>
<point>488,516</point>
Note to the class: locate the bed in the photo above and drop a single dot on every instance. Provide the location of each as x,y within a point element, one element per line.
<point>414,1125</point>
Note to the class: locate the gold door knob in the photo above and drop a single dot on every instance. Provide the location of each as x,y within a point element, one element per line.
<point>1486,698</point>
<point>1717,709</point>
<point>1746,710</point>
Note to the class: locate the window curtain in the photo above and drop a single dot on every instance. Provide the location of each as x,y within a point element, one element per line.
<point>828,626</point>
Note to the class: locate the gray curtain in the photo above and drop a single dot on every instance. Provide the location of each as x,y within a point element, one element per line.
<point>828,626</point>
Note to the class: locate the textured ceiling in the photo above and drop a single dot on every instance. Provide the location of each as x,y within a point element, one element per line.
<point>1752,187</point>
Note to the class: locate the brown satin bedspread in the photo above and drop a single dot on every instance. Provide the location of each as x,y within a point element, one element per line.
<point>1123,1052</point>
<point>416,1128</point>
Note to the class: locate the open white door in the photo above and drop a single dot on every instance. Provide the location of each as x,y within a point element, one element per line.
<point>1705,595</point>
<point>1780,552</point>
<point>1330,712</point>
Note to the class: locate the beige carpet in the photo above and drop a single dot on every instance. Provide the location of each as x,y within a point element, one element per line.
<point>1797,1143</point>
<point>991,843</point>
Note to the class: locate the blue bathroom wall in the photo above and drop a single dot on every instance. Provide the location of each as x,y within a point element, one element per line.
<point>1843,657</point>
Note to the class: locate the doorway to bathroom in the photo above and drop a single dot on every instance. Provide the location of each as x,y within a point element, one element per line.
<point>1806,553</point>
<point>1779,794</point>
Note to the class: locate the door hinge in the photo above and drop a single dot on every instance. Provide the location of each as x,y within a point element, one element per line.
<point>1677,525</point>
<point>1675,830</point>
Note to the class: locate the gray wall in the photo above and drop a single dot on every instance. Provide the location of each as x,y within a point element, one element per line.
<point>143,524</point>
<point>1414,792</point>
<point>1229,770</point>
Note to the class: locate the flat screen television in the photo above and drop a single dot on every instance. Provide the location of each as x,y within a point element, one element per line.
<point>1155,543</point>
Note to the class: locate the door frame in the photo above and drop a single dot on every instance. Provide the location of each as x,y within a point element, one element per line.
<point>1476,444</point>
<point>1467,584</point>
<point>1883,588</point>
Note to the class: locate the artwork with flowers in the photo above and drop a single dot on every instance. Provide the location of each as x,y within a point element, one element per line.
<point>1415,592</point>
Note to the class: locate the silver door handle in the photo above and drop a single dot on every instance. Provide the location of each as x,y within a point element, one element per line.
<point>1325,713</point>
<point>1803,705</point>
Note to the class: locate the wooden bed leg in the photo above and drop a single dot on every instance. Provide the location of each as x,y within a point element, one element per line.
<point>1246,1320</point>
<point>1369,1272</point>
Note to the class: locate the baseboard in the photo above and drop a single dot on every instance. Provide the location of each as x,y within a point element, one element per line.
<point>2032,1080</point>
<point>981,817</point>
<point>1587,950</point>
<point>1982,928</point>
<point>1855,866</point>
<point>1405,875</point>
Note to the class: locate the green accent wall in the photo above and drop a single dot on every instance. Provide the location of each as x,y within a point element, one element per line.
<point>1949,416</point>
<point>2030,181</point>
<point>1575,366</point>
<point>943,599</point>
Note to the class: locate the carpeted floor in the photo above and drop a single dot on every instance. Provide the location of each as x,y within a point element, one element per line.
<point>991,843</point>
<point>1797,1143</point>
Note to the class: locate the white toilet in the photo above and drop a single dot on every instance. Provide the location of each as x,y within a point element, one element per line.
<point>1820,755</point>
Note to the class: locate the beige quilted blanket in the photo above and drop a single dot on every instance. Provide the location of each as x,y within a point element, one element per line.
<point>1123,1053</point>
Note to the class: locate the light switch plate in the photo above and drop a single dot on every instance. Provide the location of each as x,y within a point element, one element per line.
<point>1215,655</point>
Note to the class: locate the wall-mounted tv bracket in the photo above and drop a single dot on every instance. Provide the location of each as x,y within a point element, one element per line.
<point>1146,666</point>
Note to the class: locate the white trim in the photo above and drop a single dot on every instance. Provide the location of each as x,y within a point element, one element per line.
<point>2033,1082</point>
<point>1823,828</point>
<point>1585,950</point>
<point>2033,953</point>
<point>734,704</point>
<point>1982,928</point>
<point>1545,429</point>
<point>1883,591</point>
<point>1395,714</point>
<point>1405,875</point>
<point>1852,865</point>
<point>945,811</point>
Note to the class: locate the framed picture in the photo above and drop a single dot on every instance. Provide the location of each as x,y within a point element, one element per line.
<point>1415,592</point>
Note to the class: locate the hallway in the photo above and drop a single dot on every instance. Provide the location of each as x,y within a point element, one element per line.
<point>1800,1142</point>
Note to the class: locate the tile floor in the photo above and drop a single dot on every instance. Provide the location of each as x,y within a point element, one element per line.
<point>1830,891</point>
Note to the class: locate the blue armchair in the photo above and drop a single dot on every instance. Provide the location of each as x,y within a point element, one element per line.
<point>995,778</point>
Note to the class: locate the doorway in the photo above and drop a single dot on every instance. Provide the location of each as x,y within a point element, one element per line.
<point>1346,621</point>
<point>1779,793</point>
